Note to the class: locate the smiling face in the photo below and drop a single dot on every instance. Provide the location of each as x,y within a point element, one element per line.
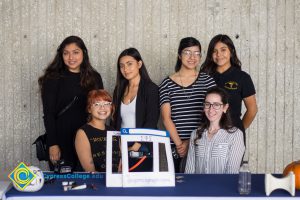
<point>73,57</point>
<point>221,55</point>
<point>214,107</point>
<point>130,67</point>
<point>100,109</point>
<point>190,57</point>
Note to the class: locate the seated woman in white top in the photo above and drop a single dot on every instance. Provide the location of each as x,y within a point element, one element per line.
<point>216,147</point>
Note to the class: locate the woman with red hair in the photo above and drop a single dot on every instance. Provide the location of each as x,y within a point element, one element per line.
<point>90,140</point>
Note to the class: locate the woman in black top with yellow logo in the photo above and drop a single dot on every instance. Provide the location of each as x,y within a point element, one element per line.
<point>224,66</point>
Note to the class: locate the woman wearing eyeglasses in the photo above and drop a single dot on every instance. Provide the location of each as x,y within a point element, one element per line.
<point>224,66</point>
<point>90,140</point>
<point>181,98</point>
<point>216,147</point>
<point>136,98</point>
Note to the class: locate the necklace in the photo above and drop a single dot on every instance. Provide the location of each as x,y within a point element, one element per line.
<point>212,132</point>
<point>129,97</point>
<point>185,93</point>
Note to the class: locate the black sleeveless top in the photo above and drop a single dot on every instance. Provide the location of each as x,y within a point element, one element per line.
<point>97,139</point>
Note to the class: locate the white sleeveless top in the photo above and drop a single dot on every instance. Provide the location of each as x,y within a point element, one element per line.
<point>128,114</point>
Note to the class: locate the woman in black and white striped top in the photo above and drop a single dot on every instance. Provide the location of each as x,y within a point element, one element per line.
<point>182,95</point>
<point>216,147</point>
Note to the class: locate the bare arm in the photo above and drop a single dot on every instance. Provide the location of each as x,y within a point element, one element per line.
<point>83,149</point>
<point>170,126</point>
<point>250,103</point>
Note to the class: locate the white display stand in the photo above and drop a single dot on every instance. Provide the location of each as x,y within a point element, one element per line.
<point>113,179</point>
<point>286,183</point>
<point>154,178</point>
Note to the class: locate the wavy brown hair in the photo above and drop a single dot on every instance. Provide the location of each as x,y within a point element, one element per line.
<point>209,66</point>
<point>55,69</point>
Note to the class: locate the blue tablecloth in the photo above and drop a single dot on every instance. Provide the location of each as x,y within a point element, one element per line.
<point>195,185</point>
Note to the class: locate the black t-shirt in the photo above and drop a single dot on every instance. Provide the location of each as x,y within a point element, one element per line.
<point>239,85</point>
<point>97,139</point>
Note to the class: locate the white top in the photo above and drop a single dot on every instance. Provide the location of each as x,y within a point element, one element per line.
<point>222,154</point>
<point>128,114</point>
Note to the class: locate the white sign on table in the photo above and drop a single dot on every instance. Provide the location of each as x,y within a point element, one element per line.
<point>151,166</point>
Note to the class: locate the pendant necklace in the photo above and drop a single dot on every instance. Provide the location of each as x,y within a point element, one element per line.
<point>185,93</point>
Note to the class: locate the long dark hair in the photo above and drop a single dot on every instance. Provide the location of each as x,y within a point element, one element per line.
<point>122,82</point>
<point>184,43</point>
<point>209,66</point>
<point>57,66</point>
<point>225,121</point>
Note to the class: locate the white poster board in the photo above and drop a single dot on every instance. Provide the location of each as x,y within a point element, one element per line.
<point>113,178</point>
<point>146,169</point>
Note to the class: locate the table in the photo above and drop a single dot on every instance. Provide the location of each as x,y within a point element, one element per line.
<point>196,186</point>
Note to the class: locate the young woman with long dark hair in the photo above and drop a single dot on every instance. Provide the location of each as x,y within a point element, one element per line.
<point>181,98</point>
<point>68,78</point>
<point>224,66</point>
<point>136,98</point>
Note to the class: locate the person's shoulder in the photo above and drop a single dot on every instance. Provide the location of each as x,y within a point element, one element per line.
<point>81,132</point>
<point>150,84</point>
<point>234,131</point>
<point>239,72</point>
<point>243,73</point>
<point>52,82</point>
<point>109,128</point>
<point>96,73</point>
<point>165,82</point>
<point>205,76</point>
<point>206,79</point>
<point>194,133</point>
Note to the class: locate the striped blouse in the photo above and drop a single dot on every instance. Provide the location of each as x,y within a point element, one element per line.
<point>186,102</point>
<point>221,154</point>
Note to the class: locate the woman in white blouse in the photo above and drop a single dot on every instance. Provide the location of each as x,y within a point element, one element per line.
<point>216,147</point>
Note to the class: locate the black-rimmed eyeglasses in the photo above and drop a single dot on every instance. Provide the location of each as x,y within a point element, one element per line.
<point>215,106</point>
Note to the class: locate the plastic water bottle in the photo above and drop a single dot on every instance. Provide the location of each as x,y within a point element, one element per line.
<point>244,179</point>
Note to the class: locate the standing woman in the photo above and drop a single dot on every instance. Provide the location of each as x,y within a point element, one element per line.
<point>182,96</point>
<point>136,97</point>
<point>68,78</point>
<point>224,66</point>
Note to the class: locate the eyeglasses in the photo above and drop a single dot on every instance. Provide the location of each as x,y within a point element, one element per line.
<point>190,53</point>
<point>215,106</point>
<point>104,104</point>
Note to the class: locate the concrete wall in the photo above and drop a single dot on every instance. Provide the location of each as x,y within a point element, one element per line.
<point>266,34</point>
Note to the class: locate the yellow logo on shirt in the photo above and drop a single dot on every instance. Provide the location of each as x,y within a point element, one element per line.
<point>231,85</point>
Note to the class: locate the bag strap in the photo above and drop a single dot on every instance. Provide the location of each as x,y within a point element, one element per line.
<point>67,106</point>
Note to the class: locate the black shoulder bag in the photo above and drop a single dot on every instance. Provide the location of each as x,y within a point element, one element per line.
<point>41,142</point>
